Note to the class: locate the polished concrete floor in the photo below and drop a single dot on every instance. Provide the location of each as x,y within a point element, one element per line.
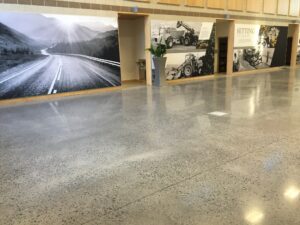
<point>217,152</point>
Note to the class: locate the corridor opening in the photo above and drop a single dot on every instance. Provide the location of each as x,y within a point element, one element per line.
<point>132,40</point>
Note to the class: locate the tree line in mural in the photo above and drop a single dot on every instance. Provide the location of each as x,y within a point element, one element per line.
<point>48,54</point>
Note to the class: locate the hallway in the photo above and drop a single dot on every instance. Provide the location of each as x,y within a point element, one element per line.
<point>221,151</point>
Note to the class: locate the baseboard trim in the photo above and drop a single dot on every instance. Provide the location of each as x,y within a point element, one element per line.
<point>57,96</point>
<point>222,75</point>
<point>133,83</point>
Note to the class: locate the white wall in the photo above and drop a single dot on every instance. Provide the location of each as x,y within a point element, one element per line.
<point>140,40</point>
<point>132,46</point>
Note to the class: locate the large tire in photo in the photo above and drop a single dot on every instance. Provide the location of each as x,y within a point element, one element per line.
<point>236,66</point>
<point>199,71</point>
<point>187,70</point>
<point>181,40</point>
<point>187,41</point>
<point>170,42</point>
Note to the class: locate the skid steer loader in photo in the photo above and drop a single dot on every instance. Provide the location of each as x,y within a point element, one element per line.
<point>191,66</point>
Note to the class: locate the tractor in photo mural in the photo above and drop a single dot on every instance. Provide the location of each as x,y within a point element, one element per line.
<point>171,36</point>
<point>194,65</point>
<point>190,37</point>
<point>191,66</point>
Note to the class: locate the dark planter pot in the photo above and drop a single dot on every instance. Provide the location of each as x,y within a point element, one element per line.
<point>159,74</point>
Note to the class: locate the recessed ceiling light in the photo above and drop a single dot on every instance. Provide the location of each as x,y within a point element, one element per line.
<point>254,216</point>
<point>292,193</point>
<point>217,113</point>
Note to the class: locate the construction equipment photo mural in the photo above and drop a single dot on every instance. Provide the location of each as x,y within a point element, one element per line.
<point>190,47</point>
<point>259,46</point>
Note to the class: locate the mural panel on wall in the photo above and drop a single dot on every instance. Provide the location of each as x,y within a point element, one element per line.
<point>298,51</point>
<point>190,47</point>
<point>47,54</point>
<point>259,46</point>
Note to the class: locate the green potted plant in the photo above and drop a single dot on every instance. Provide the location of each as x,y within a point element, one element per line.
<point>158,51</point>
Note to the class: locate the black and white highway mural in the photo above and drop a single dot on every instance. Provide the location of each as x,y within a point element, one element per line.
<point>46,54</point>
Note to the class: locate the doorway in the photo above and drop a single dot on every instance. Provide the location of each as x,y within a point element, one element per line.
<point>223,48</point>
<point>132,48</point>
<point>289,51</point>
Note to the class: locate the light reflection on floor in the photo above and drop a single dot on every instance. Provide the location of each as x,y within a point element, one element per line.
<point>144,156</point>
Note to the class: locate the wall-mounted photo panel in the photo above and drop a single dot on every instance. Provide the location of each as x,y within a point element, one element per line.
<point>190,47</point>
<point>246,35</point>
<point>46,54</point>
<point>259,46</point>
<point>183,65</point>
<point>298,55</point>
<point>298,51</point>
<point>181,36</point>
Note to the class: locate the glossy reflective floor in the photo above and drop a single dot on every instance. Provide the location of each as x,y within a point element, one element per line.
<point>150,156</point>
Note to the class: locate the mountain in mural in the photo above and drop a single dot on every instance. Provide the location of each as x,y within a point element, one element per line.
<point>16,49</point>
<point>57,32</point>
<point>47,30</point>
<point>13,41</point>
<point>104,45</point>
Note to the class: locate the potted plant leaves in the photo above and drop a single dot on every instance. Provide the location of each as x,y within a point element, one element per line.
<point>158,51</point>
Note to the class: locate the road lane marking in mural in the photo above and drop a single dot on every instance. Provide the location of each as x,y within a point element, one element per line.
<point>217,113</point>
<point>109,62</point>
<point>22,71</point>
<point>58,78</point>
<point>99,75</point>
<point>55,79</point>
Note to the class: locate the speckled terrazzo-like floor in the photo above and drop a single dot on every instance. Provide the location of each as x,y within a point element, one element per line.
<point>150,156</point>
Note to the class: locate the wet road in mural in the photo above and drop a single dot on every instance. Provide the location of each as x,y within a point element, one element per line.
<point>58,73</point>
